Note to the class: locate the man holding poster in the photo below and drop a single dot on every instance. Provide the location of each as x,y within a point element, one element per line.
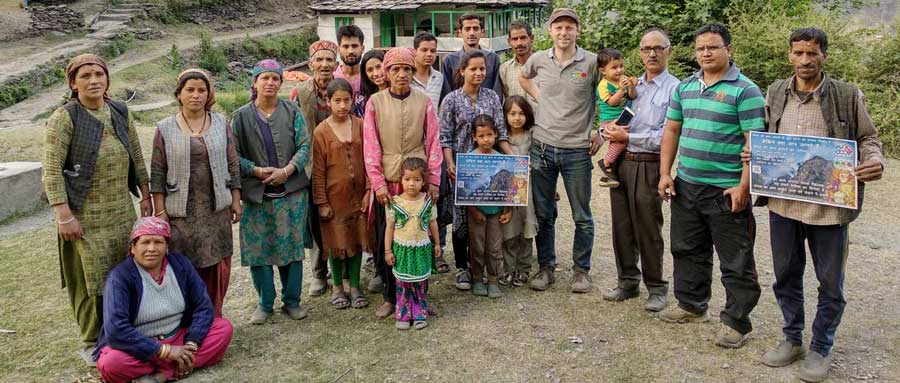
<point>810,103</point>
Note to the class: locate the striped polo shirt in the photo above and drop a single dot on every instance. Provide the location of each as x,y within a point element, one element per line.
<point>714,119</point>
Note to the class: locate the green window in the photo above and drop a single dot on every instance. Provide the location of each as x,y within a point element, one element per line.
<point>340,22</point>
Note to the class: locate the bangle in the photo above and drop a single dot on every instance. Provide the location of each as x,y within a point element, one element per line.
<point>145,199</point>
<point>68,221</point>
<point>192,343</point>
<point>161,212</point>
<point>164,351</point>
<point>285,173</point>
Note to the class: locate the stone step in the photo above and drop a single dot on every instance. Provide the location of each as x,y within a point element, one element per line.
<point>21,189</point>
<point>113,17</point>
<point>124,11</point>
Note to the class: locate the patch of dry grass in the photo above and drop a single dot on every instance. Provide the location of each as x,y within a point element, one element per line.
<point>522,337</point>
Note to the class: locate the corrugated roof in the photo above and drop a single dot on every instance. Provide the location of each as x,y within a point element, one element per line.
<point>359,6</point>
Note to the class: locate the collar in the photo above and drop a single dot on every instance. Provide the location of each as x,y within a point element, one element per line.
<point>431,76</point>
<point>462,50</point>
<point>515,59</point>
<point>656,80</point>
<point>732,74</point>
<point>400,96</point>
<point>816,94</point>
<point>579,53</point>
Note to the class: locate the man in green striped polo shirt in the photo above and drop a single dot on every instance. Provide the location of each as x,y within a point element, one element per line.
<point>710,116</point>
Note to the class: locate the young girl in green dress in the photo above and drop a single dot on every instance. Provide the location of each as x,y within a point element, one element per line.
<point>411,219</point>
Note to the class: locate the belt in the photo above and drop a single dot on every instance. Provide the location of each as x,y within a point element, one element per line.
<point>641,157</point>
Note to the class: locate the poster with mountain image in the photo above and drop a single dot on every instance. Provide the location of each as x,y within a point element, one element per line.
<point>492,180</point>
<point>804,168</point>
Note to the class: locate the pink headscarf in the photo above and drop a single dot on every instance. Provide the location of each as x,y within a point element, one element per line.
<point>149,226</point>
<point>398,55</point>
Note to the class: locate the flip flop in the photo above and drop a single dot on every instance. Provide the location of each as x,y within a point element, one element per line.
<point>339,300</point>
<point>359,301</point>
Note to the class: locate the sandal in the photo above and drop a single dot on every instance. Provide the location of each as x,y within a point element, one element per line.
<point>359,301</point>
<point>442,266</point>
<point>420,324</point>
<point>608,179</point>
<point>339,300</point>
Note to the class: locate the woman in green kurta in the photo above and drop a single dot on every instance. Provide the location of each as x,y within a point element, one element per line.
<point>92,158</point>
<point>273,145</point>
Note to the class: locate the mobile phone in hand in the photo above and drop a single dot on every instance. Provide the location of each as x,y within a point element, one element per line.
<point>724,203</point>
<point>625,117</point>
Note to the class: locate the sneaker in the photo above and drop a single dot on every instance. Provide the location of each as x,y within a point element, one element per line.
<point>260,316</point>
<point>463,280</point>
<point>730,338</point>
<point>479,289</point>
<point>543,278</point>
<point>401,325</point>
<point>295,313</point>
<point>317,287</point>
<point>581,282</point>
<point>506,280</point>
<point>87,355</point>
<point>376,285</point>
<point>619,294</point>
<point>608,182</point>
<point>520,280</point>
<point>678,315</point>
<point>814,367</point>
<point>784,354</point>
<point>656,303</point>
<point>493,291</point>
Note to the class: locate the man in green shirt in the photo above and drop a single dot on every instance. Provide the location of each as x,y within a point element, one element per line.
<point>710,117</point>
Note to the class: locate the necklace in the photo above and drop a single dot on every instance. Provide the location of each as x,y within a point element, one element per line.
<point>193,132</point>
<point>264,112</point>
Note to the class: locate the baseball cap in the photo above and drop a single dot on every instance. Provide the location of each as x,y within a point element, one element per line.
<point>564,12</point>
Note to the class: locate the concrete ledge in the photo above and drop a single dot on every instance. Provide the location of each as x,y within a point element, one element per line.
<point>21,189</point>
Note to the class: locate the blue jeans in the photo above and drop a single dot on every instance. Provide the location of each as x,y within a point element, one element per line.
<point>828,250</point>
<point>547,163</point>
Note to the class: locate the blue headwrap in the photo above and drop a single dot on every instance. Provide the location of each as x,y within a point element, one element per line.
<point>264,66</point>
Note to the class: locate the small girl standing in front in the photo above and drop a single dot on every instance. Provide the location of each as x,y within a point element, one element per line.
<point>522,227</point>
<point>613,93</point>
<point>411,219</point>
<point>485,232</point>
<point>341,192</point>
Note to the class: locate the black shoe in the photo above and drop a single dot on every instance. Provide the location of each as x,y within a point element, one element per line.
<point>619,294</point>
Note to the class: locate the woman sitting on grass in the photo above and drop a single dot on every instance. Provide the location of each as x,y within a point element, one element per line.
<point>158,321</point>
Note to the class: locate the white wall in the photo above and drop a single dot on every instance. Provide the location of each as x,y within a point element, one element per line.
<point>369,24</point>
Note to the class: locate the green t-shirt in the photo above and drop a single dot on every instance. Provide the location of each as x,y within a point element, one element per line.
<point>714,119</point>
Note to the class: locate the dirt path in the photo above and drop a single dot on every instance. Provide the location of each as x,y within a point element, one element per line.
<point>23,113</point>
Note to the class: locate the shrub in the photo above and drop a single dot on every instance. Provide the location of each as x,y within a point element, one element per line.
<point>211,58</point>
<point>174,58</point>
<point>116,46</point>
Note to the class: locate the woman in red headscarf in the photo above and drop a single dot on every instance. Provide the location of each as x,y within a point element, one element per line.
<point>400,122</point>
<point>196,182</point>
<point>158,321</point>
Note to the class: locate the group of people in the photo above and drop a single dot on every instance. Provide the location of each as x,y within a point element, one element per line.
<point>361,159</point>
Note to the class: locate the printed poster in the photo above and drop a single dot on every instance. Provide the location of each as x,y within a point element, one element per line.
<point>492,180</point>
<point>804,168</point>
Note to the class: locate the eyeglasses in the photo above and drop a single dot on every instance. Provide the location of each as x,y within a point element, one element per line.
<point>657,49</point>
<point>710,48</point>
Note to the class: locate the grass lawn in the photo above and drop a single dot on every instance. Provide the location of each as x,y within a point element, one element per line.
<point>525,336</point>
